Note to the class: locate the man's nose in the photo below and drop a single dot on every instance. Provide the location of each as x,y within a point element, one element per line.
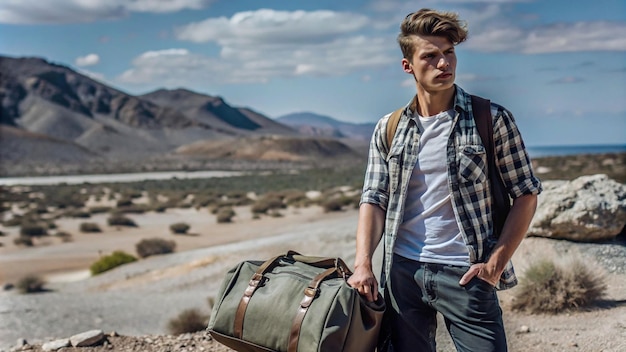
<point>443,63</point>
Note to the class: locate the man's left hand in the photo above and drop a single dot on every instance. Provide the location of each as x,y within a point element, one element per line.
<point>483,272</point>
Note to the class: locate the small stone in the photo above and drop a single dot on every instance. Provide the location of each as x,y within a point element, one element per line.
<point>21,342</point>
<point>55,345</point>
<point>573,344</point>
<point>524,329</point>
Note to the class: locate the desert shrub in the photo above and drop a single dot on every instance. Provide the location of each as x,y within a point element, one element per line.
<point>16,220</point>
<point>124,202</point>
<point>30,284</point>
<point>64,236</point>
<point>78,213</point>
<point>2,234</point>
<point>25,241</point>
<point>131,209</point>
<point>51,225</point>
<point>133,194</point>
<point>33,230</point>
<point>160,208</point>
<point>111,261</point>
<point>268,202</point>
<point>41,209</point>
<point>179,228</point>
<point>296,198</point>
<point>99,209</point>
<point>121,220</point>
<point>225,215</point>
<point>332,204</point>
<point>154,246</point>
<point>189,320</point>
<point>275,213</point>
<point>550,288</point>
<point>89,227</point>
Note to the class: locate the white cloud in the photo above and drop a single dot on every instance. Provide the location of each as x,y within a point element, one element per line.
<point>555,38</point>
<point>271,27</point>
<point>76,11</point>
<point>265,44</point>
<point>87,60</point>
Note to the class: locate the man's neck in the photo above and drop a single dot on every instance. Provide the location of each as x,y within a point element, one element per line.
<point>432,103</point>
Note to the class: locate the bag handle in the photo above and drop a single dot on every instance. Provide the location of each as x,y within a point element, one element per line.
<point>333,265</point>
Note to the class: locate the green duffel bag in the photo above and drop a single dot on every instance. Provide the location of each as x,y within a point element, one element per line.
<point>294,303</point>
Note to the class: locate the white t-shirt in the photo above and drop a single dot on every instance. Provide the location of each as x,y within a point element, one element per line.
<point>429,231</point>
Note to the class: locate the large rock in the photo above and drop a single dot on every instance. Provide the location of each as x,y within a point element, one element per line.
<point>87,338</point>
<point>589,208</point>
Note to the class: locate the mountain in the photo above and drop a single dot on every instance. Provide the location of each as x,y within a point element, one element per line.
<point>52,115</point>
<point>281,148</point>
<point>213,111</point>
<point>319,125</point>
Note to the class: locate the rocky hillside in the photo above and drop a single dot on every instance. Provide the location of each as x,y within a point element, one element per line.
<point>311,124</point>
<point>52,116</point>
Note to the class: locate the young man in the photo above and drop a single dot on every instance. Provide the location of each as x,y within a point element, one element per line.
<point>428,193</point>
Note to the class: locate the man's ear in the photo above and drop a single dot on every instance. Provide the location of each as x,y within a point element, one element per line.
<point>406,66</point>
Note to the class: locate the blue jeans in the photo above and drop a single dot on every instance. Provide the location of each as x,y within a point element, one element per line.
<point>417,291</point>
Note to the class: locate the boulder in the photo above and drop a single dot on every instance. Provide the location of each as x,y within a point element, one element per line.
<point>587,209</point>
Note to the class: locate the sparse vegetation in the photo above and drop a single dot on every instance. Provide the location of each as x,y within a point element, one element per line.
<point>25,241</point>
<point>225,215</point>
<point>33,230</point>
<point>268,202</point>
<point>64,236</point>
<point>550,288</point>
<point>189,320</point>
<point>333,204</point>
<point>78,213</point>
<point>89,227</point>
<point>30,284</point>
<point>179,228</point>
<point>111,261</point>
<point>154,246</point>
<point>99,209</point>
<point>121,220</point>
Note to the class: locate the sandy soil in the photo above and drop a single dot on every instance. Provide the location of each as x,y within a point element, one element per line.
<point>194,273</point>
<point>57,261</point>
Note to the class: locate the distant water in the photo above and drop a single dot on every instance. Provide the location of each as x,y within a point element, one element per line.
<point>109,178</point>
<point>536,152</point>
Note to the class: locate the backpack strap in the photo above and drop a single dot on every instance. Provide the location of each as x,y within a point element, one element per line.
<point>500,200</point>
<point>394,120</point>
<point>392,126</point>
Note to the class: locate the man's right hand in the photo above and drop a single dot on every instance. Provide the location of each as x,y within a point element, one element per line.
<point>365,282</point>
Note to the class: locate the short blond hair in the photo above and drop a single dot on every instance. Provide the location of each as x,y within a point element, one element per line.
<point>429,22</point>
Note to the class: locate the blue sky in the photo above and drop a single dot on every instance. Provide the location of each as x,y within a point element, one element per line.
<point>558,65</point>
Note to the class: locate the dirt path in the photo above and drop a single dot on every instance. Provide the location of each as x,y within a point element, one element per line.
<point>137,300</point>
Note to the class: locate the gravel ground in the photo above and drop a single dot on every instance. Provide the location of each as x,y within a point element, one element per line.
<point>140,298</point>
<point>137,300</point>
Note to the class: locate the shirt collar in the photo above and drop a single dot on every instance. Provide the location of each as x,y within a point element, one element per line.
<point>462,100</point>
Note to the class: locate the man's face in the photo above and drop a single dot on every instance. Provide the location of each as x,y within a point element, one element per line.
<point>433,63</point>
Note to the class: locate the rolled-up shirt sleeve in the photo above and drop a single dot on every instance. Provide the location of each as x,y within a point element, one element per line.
<point>513,160</point>
<point>376,183</point>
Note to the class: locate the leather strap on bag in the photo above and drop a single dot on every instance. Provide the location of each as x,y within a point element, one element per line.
<point>333,265</point>
<point>309,295</point>
<point>255,282</point>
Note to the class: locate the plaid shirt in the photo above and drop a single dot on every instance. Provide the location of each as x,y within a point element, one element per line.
<point>389,171</point>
